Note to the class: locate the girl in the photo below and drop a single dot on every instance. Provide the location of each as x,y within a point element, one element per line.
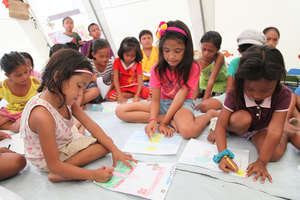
<point>256,109</point>
<point>103,67</point>
<point>128,73</point>
<point>173,81</point>
<point>17,89</point>
<point>50,143</point>
<point>213,75</point>
<point>272,35</point>
<point>29,62</point>
<point>68,25</point>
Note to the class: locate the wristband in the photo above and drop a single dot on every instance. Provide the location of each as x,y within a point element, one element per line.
<point>217,158</point>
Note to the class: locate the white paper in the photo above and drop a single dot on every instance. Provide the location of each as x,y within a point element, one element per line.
<point>16,143</point>
<point>201,154</point>
<point>158,145</point>
<point>102,87</point>
<point>146,74</point>
<point>147,180</point>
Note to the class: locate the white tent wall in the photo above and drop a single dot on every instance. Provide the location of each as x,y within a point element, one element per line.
<point>232,17</point>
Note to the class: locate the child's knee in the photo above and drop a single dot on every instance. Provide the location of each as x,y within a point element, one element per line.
<point>188,132</point>
<point>241,118</point>
<point>120,112</point>
<point>20,162</point>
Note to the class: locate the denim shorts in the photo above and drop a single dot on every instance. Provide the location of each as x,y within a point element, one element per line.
<point>166,103</point>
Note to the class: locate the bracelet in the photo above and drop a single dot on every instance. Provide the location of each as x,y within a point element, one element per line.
<point>151,119</point>
<point>217,158</point>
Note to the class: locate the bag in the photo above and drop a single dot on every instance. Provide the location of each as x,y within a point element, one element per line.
<point>18,9</point>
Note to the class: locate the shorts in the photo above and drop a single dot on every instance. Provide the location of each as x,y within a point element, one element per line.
<point>99,98</point>
<point>10,116</point>
<point>248,135</point>
<point>166,103</point>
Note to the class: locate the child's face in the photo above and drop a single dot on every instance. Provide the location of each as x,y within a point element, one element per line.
<point>95,32</point>
<point>102,56</point>
<point>68,25</point>
<point>173,51</point>
<point>146,41</point>
<point>20,75</point>
<point>129,57</point>
<point>209,50</point>
<point>73,87</point>
<point>272,38</point>
<point>28,62</point>
<point>259,90</point>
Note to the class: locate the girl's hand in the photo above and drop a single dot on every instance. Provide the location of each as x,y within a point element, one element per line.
<point>136,98</point>
<point>120,156</point>
<point>121,98</point>
<point>164,129</point>
<point>226,166</point>
<point>199,107</point>
<point>151,128</point>
<point>259,167</point>
<point>4,135</point>
<point>103,174</point>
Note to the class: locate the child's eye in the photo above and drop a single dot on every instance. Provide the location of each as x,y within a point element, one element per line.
<point>79,86</point>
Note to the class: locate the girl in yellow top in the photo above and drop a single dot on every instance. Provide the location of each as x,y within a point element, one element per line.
<point>17,89</point>
<point>150,53</point>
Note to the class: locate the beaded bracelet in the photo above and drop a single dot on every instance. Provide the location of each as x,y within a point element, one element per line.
<point>217,158</point>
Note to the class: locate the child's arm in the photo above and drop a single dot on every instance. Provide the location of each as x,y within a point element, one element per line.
<point>219,63</point>
<point>42,123</point>
<point>154,111</point>
<point>140,85</point>
<point>270,142</point>
<point>99,134</point>
<point>121,98</point>
<point>229,84</point>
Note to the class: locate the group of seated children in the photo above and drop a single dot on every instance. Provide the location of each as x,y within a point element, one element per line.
<point>255,106</point>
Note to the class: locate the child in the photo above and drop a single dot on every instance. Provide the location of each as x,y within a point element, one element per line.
<point>272,34</point>
<point>68,24</point>
<point>128,73</point>
<point>173,81</point>
<point>11,162</point>
<point>17,89</point>
<point>256,109</point>
<point>103,67</point>
<point>245,40</point>
<point>29,61</point>
<point>213,69</point>
<point>150,53</point>
<point>50,143</point>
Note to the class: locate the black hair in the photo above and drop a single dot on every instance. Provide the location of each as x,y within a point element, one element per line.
<point>72,45</point>
<point>99,44</point>
<point>213,37</point>
<point>10,61</point>
<point>145,32</point>
<point>258,62</point>
<point>128,44</point>
<point>244,47</point>
<point>92,24</point>
<point>266,30</point>
<point>28,56</point>
<point>60,68</point>
<point>183,69</point>
<point>65,18</point>
<point>57,47</point>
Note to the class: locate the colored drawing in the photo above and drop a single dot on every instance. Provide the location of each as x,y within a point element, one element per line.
<point>157,145</point>
<point>148,180</point>
<point>201,153</point>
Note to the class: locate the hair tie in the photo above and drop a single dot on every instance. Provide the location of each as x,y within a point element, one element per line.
<point>163,27</point>
<point>83,71</point>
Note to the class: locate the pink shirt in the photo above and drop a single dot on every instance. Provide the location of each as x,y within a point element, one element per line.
<point>170,85</point>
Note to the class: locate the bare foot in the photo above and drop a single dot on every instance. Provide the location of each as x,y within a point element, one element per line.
<point>173,125</point>
<point>211,137</point>
<point>57,178</point>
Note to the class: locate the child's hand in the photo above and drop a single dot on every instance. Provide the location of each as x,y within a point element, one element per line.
<point>259,168</point>
<point>136,98</point>
<point>4,135</point>
<point>164,129</point>
<point>80,42</point>
<point>226,166</point>
<point>151,128</point>
<point>199,107</point>
<point>291,127</point>
<point>120,156</point>
<point>121,98</point>
<point>103,174</point>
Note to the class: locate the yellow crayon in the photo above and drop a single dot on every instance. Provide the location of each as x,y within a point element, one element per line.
<point>240,172</point>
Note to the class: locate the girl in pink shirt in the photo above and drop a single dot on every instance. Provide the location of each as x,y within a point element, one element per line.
<point>173,81</point>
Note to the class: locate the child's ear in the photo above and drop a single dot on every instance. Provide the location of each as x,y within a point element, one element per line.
<point>55,76</point>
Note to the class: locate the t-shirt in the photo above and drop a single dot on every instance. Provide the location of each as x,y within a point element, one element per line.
<point>127,74</point>
<point>170,85</point>
<point>233,66</point>
<point>147,63</point>
<point>261,114</point>
<point>106,74</point>
<point>15,103</point>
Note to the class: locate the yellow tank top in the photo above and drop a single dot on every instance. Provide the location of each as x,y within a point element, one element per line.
<point>147,63</point>
<point>16,104</point>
